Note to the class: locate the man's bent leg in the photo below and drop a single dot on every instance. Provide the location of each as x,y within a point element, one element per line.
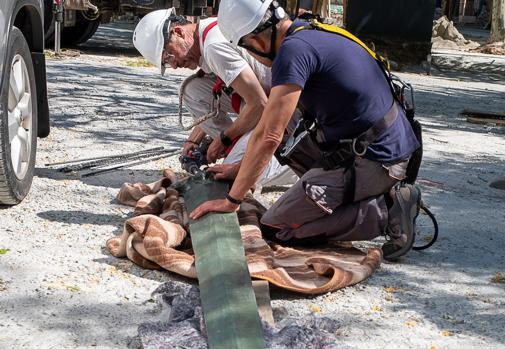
<point>319,192</point>
<point>363,220</point>
<point>313,206</point>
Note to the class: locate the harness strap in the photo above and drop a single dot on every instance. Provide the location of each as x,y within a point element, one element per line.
<point>220,86</point>
<point>315,24</point>
<point>349,183</point>
<point>370,135</point>
<point>350,148</point>
<point>381,61</point>
<point>207,29</point>
<point>345,155</point>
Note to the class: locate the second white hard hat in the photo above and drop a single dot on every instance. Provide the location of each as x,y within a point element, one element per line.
<point>148,36</point>
<point>238,18</point>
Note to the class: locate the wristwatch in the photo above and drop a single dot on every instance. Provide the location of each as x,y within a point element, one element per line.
<point>227,141</point>
<point>233,200</point>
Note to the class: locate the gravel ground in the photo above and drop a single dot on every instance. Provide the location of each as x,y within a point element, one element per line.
<point>59,288</point>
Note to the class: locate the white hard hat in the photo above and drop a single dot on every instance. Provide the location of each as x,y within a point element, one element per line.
<point>238,18</point>
<point>148,36</point>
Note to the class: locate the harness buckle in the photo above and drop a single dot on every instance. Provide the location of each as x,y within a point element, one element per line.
<point>216,103</point>
<point>355,151</point>
<point>293,140</point>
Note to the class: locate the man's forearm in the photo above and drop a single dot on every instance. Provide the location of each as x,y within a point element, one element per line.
<point>258,154</point>
<point>246,84</point>
<point>266,137</point>
<point>246,121</point>
<point>196,135</point>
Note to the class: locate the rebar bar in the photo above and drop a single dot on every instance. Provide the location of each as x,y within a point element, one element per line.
<point>100,157</point>
<point>115,159</point>
<point>103,170</point>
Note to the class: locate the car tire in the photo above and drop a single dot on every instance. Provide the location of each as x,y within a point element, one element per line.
<point>82,31</point>
<point>18,121</point>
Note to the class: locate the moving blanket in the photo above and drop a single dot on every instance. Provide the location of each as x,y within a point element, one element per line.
<point>156,237</point>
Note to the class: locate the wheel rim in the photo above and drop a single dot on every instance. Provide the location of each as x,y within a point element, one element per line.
<point>20,117</point>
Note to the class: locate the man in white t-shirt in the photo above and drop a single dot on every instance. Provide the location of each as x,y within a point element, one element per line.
<point>168,40</point>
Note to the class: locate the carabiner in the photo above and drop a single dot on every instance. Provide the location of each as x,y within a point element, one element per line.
<point>361,153</point>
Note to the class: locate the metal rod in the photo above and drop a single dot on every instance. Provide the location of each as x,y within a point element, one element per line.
<point>103,157</point>
<point>108,161</point>
<point>57,37</point>
<point>58,9</point>
<point>95,172</point>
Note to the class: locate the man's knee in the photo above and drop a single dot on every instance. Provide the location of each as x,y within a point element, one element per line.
<point>268,218</point>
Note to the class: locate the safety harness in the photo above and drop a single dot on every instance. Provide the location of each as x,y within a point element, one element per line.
<point>220,87</point>
<point>344,154</point>
<point>217,90</point>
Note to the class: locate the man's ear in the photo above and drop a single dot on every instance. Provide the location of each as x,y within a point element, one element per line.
<point>178,31</point>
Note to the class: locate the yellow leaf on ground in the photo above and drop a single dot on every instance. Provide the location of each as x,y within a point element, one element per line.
<point>376,308</point>
<point>411,324</point>
<point>428,238</point>
<point>138,62</point>
<point>72,288</point>
<point>498,278</point>
<point>315,309</point>
<point>489,301</point>
<point>447,333</point>
<point>390,289</point>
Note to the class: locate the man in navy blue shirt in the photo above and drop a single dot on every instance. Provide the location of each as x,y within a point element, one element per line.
<point>360,138</point>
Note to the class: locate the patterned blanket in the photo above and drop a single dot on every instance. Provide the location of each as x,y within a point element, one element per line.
<point>156,237</point>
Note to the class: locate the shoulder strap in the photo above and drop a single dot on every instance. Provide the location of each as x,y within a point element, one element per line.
<point>381,61</point>
<point>315,24</point>
<point>207,29</point>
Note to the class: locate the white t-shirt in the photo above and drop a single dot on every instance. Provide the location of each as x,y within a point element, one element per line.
<point>218,56</point>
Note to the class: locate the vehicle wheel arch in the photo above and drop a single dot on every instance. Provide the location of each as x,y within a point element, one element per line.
<point>28,18</point>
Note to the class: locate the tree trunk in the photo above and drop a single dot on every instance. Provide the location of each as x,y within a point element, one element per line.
<point>497,21</point>
<point>445,6</point>
<point>449,8</point>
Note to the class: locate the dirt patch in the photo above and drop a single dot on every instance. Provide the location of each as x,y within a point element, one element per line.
<point>446,35</point>
<point>495,48</point>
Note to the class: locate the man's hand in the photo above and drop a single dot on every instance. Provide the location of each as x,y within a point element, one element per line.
<point>188,146</point>
<point>216,151</point>
<point>224,171</point>
<point>222,206</point>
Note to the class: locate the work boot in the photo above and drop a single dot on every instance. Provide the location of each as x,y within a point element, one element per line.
<point>402,216</point>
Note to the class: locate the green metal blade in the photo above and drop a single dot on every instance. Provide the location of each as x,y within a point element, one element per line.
<point>228,301</point>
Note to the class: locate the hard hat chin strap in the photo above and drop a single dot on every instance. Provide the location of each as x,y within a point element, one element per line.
<point>277,15</point>
<point>270,55</point>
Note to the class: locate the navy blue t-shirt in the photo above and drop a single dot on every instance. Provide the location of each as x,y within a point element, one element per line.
<point>343,88</point>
